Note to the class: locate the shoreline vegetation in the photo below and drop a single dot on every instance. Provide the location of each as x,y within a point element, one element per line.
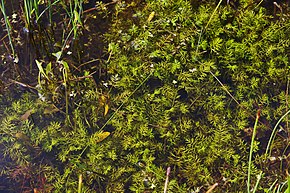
<point>144,96</point>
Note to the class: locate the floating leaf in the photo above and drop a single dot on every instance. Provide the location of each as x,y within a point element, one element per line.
<point>26,141</point>
<point>50,109</point>
<point>102,136</point>
<point>102,100</point>
<point>106,109</point>
<point>22,137</point>
<point>26,115</point>
<point>151,16</point>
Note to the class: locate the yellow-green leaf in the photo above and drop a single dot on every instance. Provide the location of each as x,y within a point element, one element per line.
<point>151,16</point>
<point>106,109</point>
<point>102,136</point>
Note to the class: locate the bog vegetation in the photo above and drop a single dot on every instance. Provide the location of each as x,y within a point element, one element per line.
<point>144,96</point>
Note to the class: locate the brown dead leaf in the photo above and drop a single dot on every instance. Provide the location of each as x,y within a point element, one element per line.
<point>26,115</point>
<point>212,188</point>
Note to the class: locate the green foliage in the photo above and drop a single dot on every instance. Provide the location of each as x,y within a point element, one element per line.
<point>201,135</point>
<point>8,26</point>
<point>184,85</point>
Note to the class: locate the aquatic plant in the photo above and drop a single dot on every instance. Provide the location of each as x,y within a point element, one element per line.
<point>8,26</point>
<point>39,30</point>
<point>197,123</point>
<point>193,86</point>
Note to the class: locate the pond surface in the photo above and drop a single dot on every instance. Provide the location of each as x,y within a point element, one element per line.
<point>63,51</point>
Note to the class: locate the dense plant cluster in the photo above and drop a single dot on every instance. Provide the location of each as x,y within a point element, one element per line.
<point>183,110</point>
<point>184,82</point>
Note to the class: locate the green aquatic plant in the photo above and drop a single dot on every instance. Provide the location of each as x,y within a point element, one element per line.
<point>250,157</point>
<point>74,12</point>
<point>38,27</point>
<point>186,108</point>
<point>8,26</point>
<point>183,83</point>
<point>20,153</point>
<point>30,11</point>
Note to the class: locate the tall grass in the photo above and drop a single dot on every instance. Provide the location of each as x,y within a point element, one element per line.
<point>80,183</point>
<point>74,12</point>
<point>267,154</point>
<point>8,26</point>
<point>250,156</point>
<point>30,9</point>
<point>273,134</point>
<point>49,9</point>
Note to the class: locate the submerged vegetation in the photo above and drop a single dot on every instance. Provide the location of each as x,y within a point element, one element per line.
<point>144,96</point>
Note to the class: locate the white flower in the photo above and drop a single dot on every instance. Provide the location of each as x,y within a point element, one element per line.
<point>16,60</point>
<point>14,15</point>
<point>41,97</point>
<point>72,94</point>
<point>115,77</point>
<point>192,70</point>
<point>272,159</point>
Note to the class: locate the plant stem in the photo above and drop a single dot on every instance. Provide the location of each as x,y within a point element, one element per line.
<point>167,179</point>
<point>251,151</point>
<point>8,26</point>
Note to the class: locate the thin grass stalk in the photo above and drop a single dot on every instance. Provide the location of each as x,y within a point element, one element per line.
<point>64,44</point>
<point>30,8</point>
<point>27,13</point>
<point>49,10</point>
<point>280,186</point>
<point>166,180</point>
<point>212,188</point>
<point>65,80</point>
<point>259,4</point>
<point>216,8</point>
<point>35,9</point>
<point>273,134</point>
<point>75,15</point>
<point>287,104</point>
<point>272,187</point>
<point>258,181</point>
<point>204,29</point>
<point>8,27</point>
<point>49,6</point>
<point>288,184</point>
<point>80,183</point>
<point>74,18</point>
<point>251,151</point>
<point>74,21</point>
